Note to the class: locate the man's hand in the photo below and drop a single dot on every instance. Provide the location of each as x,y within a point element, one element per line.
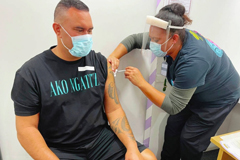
<point>133,155</point>
<point>114,62</point>
<point>31,139</point>
<point>135,76</point>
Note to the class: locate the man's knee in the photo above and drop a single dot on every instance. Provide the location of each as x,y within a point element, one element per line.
<point>148,155</point>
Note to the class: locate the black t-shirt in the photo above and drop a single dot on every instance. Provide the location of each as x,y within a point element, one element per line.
<point>68,96</point>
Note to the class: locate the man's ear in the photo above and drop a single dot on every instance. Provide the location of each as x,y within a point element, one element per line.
<point>56,28</point>
<point>175,38</point>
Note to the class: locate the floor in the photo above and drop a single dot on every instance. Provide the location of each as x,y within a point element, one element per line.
<point>210,155</point>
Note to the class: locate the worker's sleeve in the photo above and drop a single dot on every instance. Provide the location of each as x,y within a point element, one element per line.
<point>135,41</point>
<point>177,100</point>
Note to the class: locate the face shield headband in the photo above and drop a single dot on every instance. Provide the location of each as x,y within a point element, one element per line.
<point>151,20</point>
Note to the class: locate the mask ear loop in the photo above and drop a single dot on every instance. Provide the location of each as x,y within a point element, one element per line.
<point>62,40</point>
<point>65,30</point>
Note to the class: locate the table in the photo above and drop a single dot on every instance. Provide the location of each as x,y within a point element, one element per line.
<point>222,154</point>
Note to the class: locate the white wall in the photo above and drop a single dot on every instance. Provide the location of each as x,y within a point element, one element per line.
<point>26,30</point>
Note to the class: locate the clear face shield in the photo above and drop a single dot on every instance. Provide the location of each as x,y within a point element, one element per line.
<point>157,36</point>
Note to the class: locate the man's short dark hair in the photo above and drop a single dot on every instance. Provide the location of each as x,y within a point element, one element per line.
<point>64,5</point>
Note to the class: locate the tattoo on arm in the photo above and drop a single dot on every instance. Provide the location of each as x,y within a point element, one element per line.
<point>110,71</point>
<point>112,92</point>
<point>120,125</point>
<point>114,126</point>
<point>125,124</point>
<point>124,127</point>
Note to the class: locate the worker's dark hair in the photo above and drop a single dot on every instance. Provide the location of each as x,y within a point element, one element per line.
<point>176,13</point>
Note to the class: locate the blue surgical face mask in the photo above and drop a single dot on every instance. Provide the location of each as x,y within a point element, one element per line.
<point>82,45</point>
<point>156,48</point>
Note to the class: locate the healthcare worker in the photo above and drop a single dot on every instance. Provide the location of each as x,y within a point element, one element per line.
<point>205,84</point>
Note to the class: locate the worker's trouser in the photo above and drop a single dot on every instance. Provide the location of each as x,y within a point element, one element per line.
<point>188,133</point>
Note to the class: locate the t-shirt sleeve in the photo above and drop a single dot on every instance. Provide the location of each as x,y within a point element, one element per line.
<point>103,64</point>
<point>25,96</point>
<point>191,74</point>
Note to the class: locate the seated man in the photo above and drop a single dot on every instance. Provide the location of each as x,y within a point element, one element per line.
<point>65,97</point>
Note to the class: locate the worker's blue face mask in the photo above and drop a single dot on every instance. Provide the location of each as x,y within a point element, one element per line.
<point>156,48</point>
<point>82,45</point>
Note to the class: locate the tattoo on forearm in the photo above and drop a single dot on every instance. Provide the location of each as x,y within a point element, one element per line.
<point>124,127</point>
<point>114,126</point>
<point>112,92</point>
<point>125,124</point>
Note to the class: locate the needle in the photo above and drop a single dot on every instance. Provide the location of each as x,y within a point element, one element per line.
<point>115,73</point>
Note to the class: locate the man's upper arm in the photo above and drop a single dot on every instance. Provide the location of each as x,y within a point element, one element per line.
<point>23,122</point>
<point>111,101</point>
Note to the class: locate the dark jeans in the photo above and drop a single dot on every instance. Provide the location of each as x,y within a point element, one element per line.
<point>188,133</point>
